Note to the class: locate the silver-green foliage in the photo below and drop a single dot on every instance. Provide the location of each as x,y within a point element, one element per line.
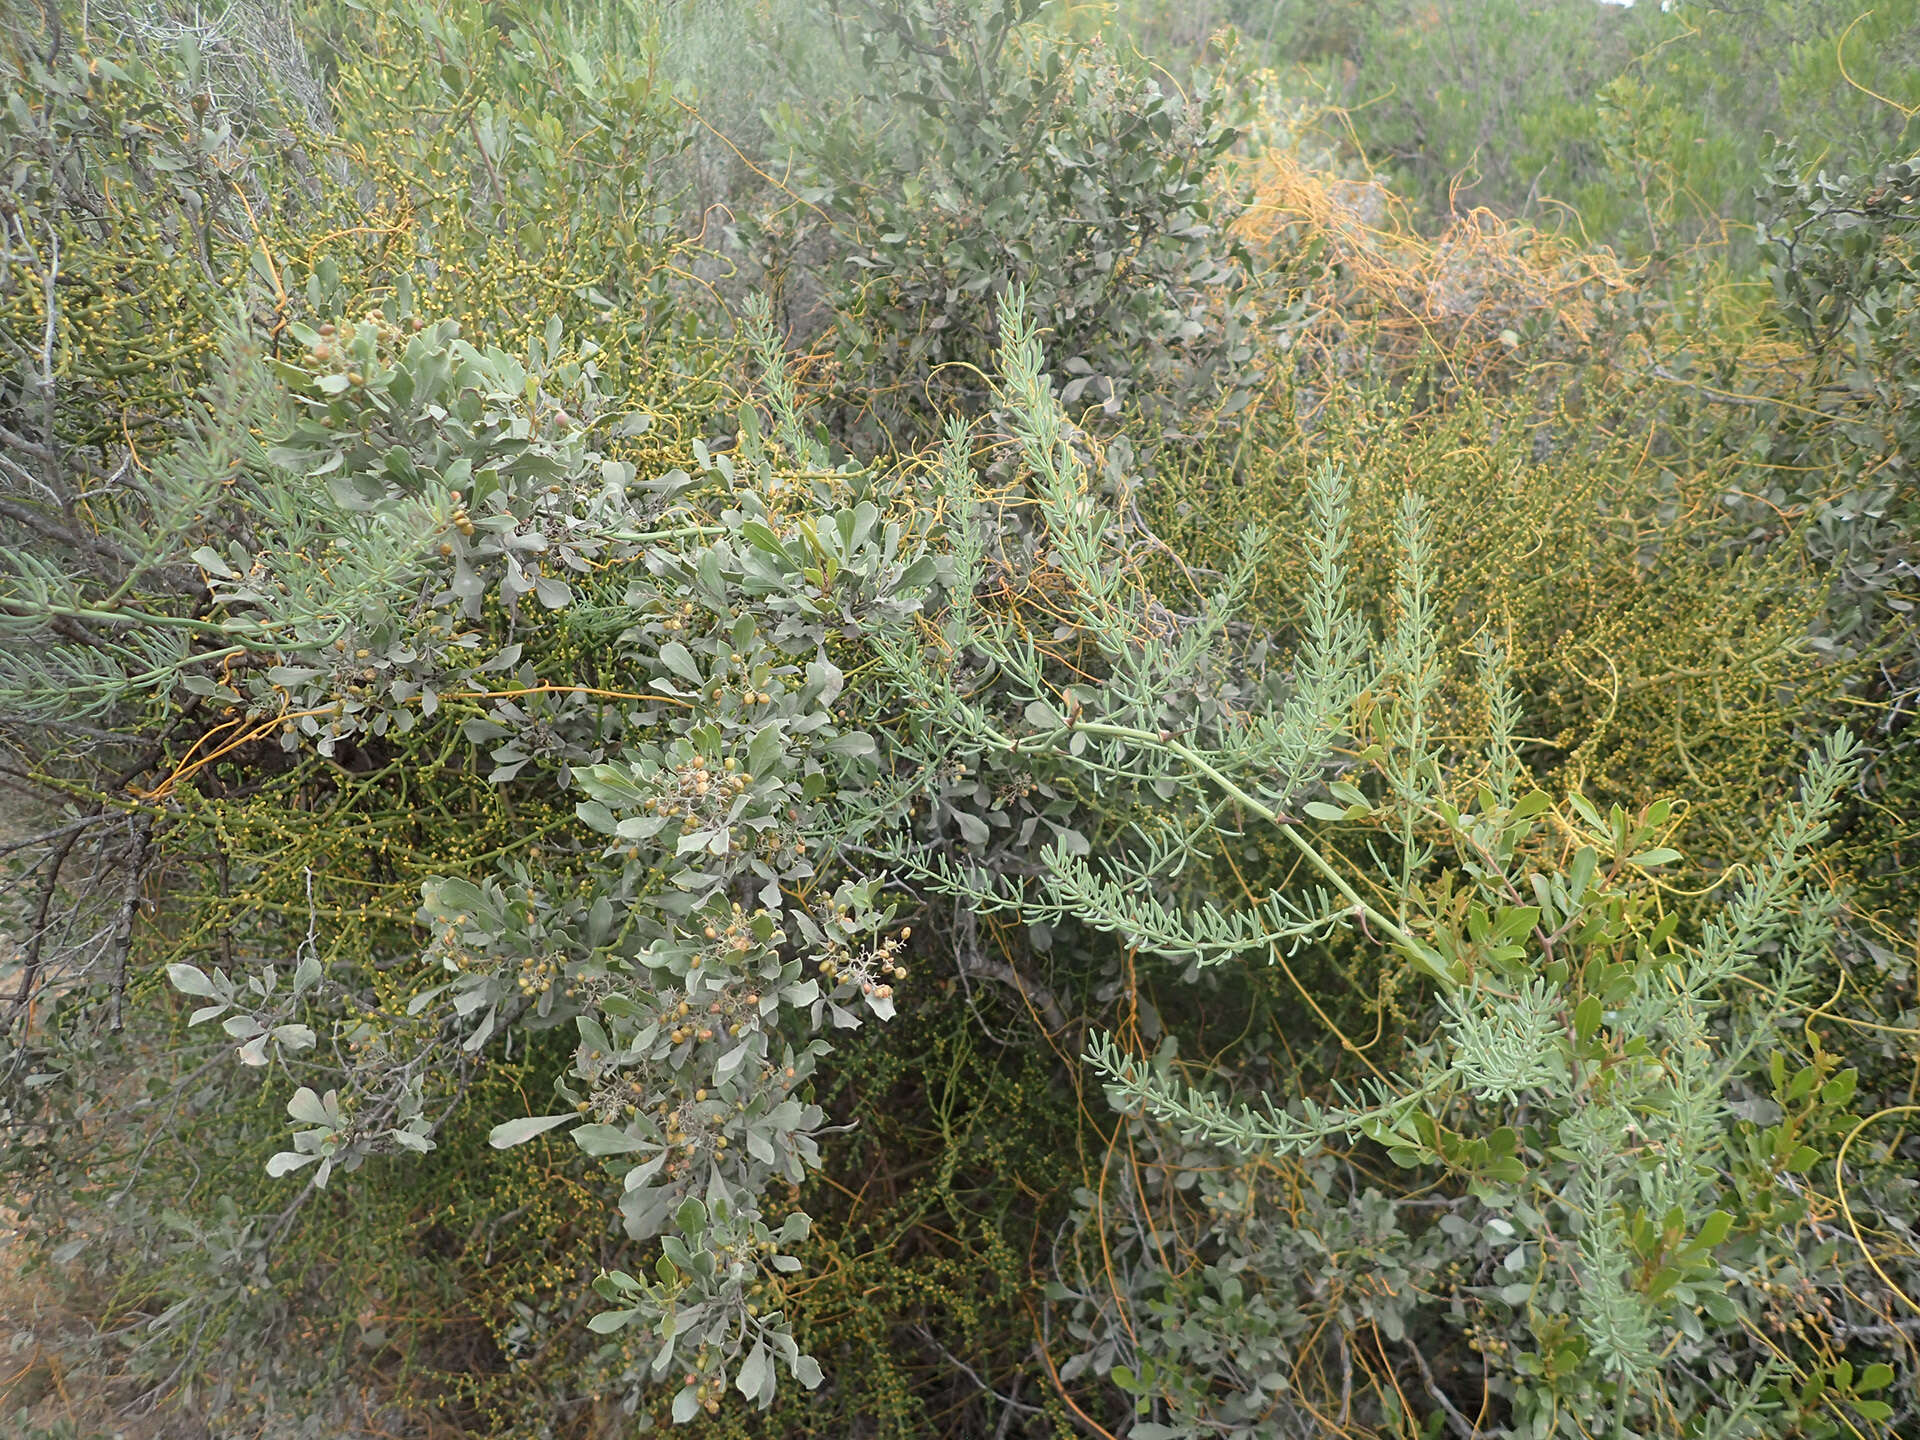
<point>725,900</point>
<point>713,940</point>
<point>1584,1060</point>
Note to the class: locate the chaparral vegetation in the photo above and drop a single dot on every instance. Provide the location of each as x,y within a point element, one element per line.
<point>959,719</point>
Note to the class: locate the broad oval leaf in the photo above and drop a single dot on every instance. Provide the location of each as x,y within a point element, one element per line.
<point>510,1133</point>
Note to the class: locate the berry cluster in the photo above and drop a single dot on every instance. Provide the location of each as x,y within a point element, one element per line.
<point>698,790</point>
<point>335,354</point>
<point>679,619</point>
<point>708,1388</point>
<point>350,674</point>
<point>1798,1307</point>
<point>537,974</point>
<point>459,519</point>
<point>873,972</point>
<point>1487,1341</point>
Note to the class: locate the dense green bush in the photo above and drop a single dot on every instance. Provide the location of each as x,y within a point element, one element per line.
<point>1840,253</point>
<point>983,147</point>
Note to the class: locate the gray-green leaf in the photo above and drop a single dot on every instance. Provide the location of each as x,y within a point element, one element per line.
<point>510,1133</point>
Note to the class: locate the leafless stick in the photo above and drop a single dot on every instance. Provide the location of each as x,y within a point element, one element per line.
<point>1011,1402</point>
<point>1456,1422</point>
<point>31,447</point>
<point>82,823</point>
<point>40,525</point>
<point>130,900</point>
<point>37,938</point>
<point>1038,996</point>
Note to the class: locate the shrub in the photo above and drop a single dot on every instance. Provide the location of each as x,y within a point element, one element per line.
<point>988,148</point>
<point>1570,1020</point>
<point>384,673</point>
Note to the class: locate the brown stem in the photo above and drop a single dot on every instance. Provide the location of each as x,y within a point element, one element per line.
<point>129,901</point>
<point>1458,1423</point>
<point>1038,996</point>
<point>37,937</point>
<point>48,529</point>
